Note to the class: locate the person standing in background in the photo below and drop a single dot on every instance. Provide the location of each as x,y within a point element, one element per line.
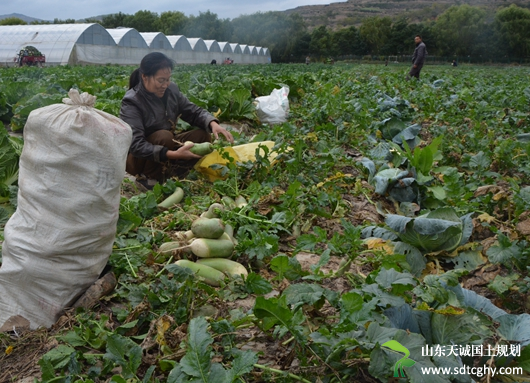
<point>418,58</point>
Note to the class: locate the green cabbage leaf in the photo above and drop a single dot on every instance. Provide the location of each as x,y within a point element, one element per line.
<point>440,229</point>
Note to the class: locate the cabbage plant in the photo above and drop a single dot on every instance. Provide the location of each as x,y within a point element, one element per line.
<point>438,230</point>
<point>398,184</point>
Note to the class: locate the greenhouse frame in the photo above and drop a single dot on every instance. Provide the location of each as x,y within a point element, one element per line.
<point>92,44</point>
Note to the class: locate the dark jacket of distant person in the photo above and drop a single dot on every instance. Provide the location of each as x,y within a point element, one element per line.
<point>419,55</point>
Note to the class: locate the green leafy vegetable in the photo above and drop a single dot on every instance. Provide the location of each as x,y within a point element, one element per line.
<point>125,353</point>
<point>8,164</point>
<point>440,229</point>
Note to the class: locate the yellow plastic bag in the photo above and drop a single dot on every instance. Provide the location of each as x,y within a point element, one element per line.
<point>240,153</point>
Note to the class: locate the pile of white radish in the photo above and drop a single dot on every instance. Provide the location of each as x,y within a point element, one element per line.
<point>212,242</point>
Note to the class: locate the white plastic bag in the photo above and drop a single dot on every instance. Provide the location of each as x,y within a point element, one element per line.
<point>60,237</point>
<point>273,109</point>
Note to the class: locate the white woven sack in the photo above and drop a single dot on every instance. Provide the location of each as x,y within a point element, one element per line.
<point>60,237</point>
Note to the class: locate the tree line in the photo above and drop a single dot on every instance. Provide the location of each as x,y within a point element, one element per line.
<point>462,31</point>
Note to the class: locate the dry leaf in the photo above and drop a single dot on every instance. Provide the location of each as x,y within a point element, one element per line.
<point>500,195</point>
<point>379,244</point>
<point>162,325</point>
<point>9,350</point>
<point>485,217</point>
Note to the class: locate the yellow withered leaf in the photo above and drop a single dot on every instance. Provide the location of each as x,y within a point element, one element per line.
<point>9,350</point>
<point>423,306</point>
<point>451,310</point>
<point>162,325</point>
<point>485,217</point>
<point>379,244</point>
<point>335,177</point>
<point>500,195</point>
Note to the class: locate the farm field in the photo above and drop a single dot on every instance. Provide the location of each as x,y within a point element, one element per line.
<point>388,236</point>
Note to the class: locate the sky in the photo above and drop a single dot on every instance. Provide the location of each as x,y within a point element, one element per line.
<point>80,9</point>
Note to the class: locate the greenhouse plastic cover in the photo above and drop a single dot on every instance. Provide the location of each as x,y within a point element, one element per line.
<point>73,44</point>
<point>128,37</point>
<point>55,41</point>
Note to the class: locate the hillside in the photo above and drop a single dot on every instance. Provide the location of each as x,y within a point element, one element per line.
<point>338,15</point>
<point>352,12</point>
<point>27,19</point>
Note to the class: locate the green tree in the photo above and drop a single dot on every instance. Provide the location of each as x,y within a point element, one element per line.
<point>115,20</point>
<point>301,47</point>
<point>401,36</point>
<point>487,46</point>
<point>208,27</point>
<point>375,31</point>
<point>66,21</point>
<point>92,20</point>
<point>347,41</point>
<point>512,25</point>
<point>12,21</point>
<point>172,23</point>
<point>321,44</point>
<point>458,29</point>
<point>143,21</point>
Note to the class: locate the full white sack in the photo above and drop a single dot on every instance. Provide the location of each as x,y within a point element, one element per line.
<point>60,237</point>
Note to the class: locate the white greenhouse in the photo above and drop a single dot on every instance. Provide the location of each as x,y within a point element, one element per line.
<point>225,47</point>
<point>244,49</point>
<point>91,44</point>
<point>180,42</point>
<point>200,51</point>
<point>128,37</point>
<point>156,40</point>
<point>236,48</point>
<point>131,44</point>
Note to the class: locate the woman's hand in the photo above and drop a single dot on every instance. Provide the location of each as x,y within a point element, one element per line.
<point>216,129</point>
<point>182,153</point>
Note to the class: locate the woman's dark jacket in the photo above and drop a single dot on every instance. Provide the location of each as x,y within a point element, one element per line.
<point>146,113</point>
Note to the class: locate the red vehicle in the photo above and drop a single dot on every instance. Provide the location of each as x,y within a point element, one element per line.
<point>30,56</point>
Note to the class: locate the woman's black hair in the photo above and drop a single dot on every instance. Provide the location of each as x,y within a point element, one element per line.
<point>150,64</point>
